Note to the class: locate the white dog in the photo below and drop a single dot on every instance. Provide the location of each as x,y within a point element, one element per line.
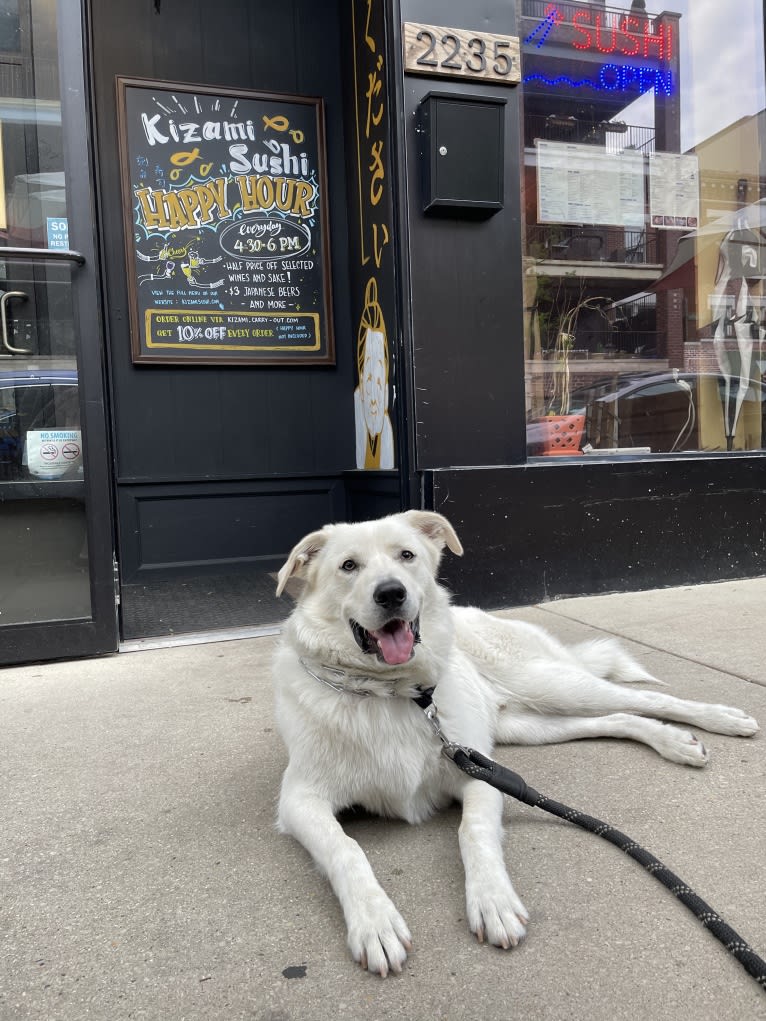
<point>371,630</point>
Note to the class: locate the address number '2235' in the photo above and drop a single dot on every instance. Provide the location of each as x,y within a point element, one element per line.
<point>458,53</point>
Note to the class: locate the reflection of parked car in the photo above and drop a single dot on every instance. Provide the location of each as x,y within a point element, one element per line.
<point>665,411</point>
<point>33,399</point>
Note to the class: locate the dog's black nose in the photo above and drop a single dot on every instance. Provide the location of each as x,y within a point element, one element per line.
<point>390,595</point>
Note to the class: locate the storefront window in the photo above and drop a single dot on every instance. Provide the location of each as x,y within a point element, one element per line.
<point>645,227</point>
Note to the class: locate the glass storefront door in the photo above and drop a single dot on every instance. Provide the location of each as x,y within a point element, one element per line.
<point>56,591</point>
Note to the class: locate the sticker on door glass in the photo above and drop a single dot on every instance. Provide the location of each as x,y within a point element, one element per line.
<point>53,453</point>
<point>58,231</point>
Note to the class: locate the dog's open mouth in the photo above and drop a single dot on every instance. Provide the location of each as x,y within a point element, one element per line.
<point>394,643</point>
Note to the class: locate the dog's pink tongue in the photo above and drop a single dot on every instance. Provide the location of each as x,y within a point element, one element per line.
<point>395,642</point>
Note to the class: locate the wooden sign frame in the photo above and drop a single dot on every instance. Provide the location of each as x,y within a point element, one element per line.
<point>438,51</point>
<point>225,209</point>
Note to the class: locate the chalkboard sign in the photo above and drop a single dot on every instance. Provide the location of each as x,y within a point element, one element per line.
<point>225,205</point>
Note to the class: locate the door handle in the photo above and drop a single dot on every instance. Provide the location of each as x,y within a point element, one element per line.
<point>42,254</point>
<point>6,296</point>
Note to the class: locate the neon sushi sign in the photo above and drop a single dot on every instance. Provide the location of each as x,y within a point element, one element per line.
<point>627,36</point>
<point>630,36</point>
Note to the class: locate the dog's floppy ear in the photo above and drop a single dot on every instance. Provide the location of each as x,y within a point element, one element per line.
<point>436,528</point>
<point>300,557</point>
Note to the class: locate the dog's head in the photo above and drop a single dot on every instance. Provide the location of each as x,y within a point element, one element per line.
<point>368,585</point>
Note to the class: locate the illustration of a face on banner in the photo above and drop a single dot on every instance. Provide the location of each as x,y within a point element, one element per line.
<point>374,433</point>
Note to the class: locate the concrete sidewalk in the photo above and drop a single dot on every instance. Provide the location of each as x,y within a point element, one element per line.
<point>142,877</point>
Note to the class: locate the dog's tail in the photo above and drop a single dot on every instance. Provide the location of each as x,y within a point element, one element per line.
<point>606,658</point>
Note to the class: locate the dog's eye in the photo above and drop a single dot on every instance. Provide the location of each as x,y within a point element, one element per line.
<point>348,565</point>
<point>407,554</point>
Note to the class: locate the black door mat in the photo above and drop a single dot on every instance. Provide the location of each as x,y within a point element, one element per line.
<point>190,600</point>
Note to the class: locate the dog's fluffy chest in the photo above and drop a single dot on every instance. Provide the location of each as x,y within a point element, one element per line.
<point>379,753</point>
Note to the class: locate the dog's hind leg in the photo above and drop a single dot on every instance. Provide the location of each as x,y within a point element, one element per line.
<point>669,741</point>
<point>550,687</point>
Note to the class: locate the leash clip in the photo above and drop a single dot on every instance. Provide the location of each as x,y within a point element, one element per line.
<point>449,748</point>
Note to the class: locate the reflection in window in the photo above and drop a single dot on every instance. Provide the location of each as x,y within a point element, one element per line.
<point>40,434</point>
<point>10,34</point>
<point>645,221</point>
<point>32,193</point>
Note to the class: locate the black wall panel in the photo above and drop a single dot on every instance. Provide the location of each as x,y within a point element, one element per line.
<point>192,425</point>
<point>372,494</point>
<point>167,525</point>
<point>467,323</point>
<point>543,532</point>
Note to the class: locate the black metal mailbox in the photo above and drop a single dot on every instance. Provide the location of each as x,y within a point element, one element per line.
<point>462,152</point>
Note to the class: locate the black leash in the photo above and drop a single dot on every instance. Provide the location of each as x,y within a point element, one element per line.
<point>480,767</point>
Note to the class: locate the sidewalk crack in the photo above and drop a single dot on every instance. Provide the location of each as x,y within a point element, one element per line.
<point>546,608</point>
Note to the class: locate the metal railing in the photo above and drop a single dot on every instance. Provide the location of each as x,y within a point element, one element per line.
<point>614,343</point>
<point>591,244</point>
<point>611,136</point>
<point>540,9</point>
<point>592,345</point>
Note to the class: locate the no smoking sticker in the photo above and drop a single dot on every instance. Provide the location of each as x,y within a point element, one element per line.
<point>52,453</point>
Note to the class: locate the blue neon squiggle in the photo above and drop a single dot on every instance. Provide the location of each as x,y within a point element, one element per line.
<point>562,78</point>
<point>625,80</point>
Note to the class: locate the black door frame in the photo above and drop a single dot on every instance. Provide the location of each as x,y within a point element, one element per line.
<point>98,634</point>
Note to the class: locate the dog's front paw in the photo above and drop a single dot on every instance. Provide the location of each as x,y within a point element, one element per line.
<point>678,745</point>
<point>495,912</point>
<point>378,936</point>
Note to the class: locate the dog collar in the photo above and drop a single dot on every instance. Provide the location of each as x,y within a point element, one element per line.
<point>362,685</point>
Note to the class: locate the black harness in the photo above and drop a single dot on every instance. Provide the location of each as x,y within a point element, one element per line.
<point>479,767</point>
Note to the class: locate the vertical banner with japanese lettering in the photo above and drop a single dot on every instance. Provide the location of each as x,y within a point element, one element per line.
<point>372,261</point>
